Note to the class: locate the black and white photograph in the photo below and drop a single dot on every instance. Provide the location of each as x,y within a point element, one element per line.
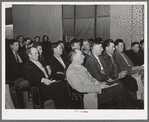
<point>74,60</point>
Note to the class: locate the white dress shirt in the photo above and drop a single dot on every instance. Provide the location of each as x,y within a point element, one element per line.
<point>17,57</point>
<point>37,63</point>
<point>61,61</point>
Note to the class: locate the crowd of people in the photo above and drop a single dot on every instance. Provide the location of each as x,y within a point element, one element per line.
<point>89,66</point>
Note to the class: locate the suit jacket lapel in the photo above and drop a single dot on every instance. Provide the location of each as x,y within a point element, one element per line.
<point>13,57</point>
<point>36,67</point>
<point>59,62</point>
<point>96,61</point>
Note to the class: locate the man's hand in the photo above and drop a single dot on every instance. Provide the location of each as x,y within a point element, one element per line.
<point>60,73</point>
<point>103,85</point>
<point>136,68</point>
<point>122,74</point>
<point>46,81</point>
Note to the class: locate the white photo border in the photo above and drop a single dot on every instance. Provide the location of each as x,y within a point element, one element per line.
<point>70,114</point>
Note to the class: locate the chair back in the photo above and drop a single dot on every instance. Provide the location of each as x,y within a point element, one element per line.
<point>75,98</point>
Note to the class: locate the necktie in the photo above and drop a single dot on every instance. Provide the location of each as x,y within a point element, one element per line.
<point>112,59</point>
<point>102,70</point>
<point>17,59</point>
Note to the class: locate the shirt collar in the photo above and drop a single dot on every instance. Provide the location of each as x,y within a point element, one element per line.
<point>96,57</point>
<point>109,54</point>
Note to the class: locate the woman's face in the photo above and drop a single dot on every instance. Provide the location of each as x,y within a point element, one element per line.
<point>37,39</point>
<point>45,38</point>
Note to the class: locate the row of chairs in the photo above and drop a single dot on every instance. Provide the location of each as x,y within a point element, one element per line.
<point>74,98</point>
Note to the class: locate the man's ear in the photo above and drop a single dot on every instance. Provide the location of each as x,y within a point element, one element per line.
<point>29,55</point>
<point>54,50</point>
<point>106,48</point>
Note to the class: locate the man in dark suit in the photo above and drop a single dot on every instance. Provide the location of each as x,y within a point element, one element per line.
<point>133,54</point>
<point>123,61</point>
<point>14,62</point>
<point>58,62</point>
<point>112,69</point>
<point>37,76</point>
<point>96,67</point>
<point>86,50</point>
<point>24,47</point>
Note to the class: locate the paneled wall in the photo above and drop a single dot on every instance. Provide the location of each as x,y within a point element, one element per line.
<point>126,22</point>
<point>38,20</point>
<point>105,21</point>
<point>86,21</point>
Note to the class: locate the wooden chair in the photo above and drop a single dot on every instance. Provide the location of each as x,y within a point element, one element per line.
<point>16,89</point>
<point>75,98</point>
<point>37,100</point>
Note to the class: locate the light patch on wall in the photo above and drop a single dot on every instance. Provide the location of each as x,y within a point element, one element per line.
<point>9,31</point>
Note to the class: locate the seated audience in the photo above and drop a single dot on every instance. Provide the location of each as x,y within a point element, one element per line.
<point>14,62</point>
<point>85,47</point>
<point>111,69</point>
<point>123,61</point>
<point>133,54</point>
<point>81,80</point>
<point>75,44</point>
<point>95,63</point>
<point>41,58</point>
<point>58,62</point>
<point>26,42</point>
<point>37,76</point>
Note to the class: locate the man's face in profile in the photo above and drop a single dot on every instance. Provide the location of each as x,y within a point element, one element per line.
<point>110,49</point>
<point>120,47</point>
<point>136,48</point>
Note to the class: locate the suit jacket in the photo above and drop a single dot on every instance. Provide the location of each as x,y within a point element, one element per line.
<point>94,68</point>
<point>56,66</point>
<point>111,68</point>
<point>14,70</point>
<point>81,80</point>
<point>122,65</point>
<point>34,75</point>
<point>21,49</point>
<point>136,59</point>
<point>86,57</point>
